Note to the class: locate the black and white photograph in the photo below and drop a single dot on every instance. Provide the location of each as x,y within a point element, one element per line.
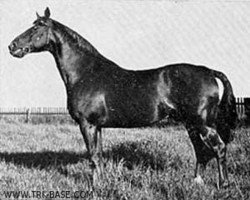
<point>124,99</point>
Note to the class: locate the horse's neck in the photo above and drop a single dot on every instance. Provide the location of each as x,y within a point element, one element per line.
<point>66,60</point>
<point>71,59</point>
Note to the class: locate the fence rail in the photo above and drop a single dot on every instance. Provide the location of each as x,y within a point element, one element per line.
<point>34,111</point>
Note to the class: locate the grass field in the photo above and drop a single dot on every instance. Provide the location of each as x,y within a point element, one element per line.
<point>150,163</point>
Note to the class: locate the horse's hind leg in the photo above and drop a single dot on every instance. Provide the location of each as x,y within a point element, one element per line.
<point>93,140</point>
<point>212,140</point>
<point>202,153</point>
<point>199,169</point>
<point>208,146</point>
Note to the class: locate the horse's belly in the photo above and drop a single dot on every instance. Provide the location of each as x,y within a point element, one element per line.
<point>125,122</point>
<point>130,114</point>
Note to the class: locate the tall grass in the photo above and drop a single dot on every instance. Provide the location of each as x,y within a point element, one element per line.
<point>148,163</point>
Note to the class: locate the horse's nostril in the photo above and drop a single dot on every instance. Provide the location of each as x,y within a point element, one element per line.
<point>12,46</point>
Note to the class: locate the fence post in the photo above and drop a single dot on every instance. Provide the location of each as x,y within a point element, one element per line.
<point>27,116</point>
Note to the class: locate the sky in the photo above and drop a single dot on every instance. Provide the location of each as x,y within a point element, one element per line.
<point>134,34</point>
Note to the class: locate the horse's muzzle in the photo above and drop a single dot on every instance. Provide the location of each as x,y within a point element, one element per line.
<point>18,52</point>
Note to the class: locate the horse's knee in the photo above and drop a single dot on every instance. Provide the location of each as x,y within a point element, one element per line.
<point>96,158</point>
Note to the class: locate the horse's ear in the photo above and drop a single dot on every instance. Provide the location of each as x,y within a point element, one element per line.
<point>38,16</point>
<point>47,13</point>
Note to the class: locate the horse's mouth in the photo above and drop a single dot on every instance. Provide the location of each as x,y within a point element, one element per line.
<point>21,52</point>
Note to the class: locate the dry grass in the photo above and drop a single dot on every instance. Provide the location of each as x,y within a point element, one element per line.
<point>148,163</point>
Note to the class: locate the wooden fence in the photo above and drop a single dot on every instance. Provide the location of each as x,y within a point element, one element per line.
<point>243,110</point>
<point>34,111</point>
<point>240,106</point>
<point>28,112</point>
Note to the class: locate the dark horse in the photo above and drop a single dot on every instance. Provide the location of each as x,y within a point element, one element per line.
<point>102,94</point>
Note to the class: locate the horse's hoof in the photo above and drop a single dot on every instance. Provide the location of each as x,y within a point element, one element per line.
<point>198,180</point>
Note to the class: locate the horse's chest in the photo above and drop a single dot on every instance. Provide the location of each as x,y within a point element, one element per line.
<point>90,106</point>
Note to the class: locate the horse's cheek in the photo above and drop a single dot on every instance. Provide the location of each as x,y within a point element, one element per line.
<point>40,43</point>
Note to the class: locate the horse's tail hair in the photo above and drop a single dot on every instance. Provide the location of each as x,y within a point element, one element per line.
<point>227,117</point>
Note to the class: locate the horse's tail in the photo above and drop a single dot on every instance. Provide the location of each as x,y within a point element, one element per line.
<point>227,117</point>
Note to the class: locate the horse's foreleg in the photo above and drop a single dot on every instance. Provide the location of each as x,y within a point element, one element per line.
<point>93,140</point>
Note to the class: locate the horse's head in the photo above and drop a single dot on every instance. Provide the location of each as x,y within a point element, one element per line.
<point>35,39</point>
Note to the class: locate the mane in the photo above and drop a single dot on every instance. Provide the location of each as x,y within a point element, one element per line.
<point>75,39</point>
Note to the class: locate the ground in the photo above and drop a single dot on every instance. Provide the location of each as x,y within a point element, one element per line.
<point>148,163</point>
